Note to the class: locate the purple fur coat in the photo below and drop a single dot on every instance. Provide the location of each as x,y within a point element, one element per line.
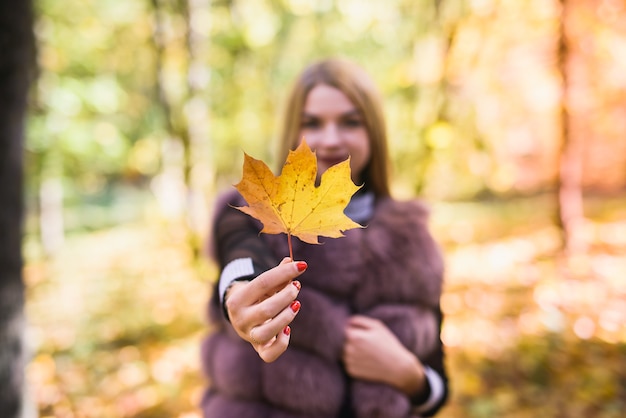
<point>391,270</point>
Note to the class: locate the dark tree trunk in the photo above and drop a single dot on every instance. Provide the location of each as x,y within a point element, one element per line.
<point>16,70</point>
<point>570,195</point>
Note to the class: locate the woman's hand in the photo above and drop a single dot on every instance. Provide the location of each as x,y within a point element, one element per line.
<point>261,310</point>
<point>372,352</point>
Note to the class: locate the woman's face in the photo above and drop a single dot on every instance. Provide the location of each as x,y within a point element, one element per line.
<point>335,130</point>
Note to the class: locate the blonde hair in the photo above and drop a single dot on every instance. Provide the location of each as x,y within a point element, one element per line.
<point>362,92</point>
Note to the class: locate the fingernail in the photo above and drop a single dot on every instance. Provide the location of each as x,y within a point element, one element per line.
<point>296,284</point>
<point>295,306</point>
<point>287,330</point>
<point>301,265</point>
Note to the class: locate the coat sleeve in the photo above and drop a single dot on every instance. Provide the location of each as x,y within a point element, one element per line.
<point>430,401</point>
<point>430,256</point>
<point>235,237</point>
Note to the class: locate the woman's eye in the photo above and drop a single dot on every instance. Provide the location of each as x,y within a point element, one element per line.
<point>353,123</point>
<point>310,123</point>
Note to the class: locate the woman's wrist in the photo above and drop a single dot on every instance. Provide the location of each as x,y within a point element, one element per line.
<point>411,378</point>
<point>237,269</point>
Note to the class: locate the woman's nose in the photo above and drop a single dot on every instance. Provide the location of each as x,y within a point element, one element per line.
<point>331,135</point>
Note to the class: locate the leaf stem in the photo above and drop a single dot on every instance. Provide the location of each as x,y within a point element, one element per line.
<point>289,243</point>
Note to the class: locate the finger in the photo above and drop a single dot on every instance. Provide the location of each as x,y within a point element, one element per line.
<point>362,322</point>
<point>271,352</point>
<point>273,305</point>
<point>276,277</point>
<point>271,291</point>
<point>349,355</point>
<point>259,315</point>
<point>355,335</point>
<point>270,328</point>
<point>234,289</point>
<point>253,338</point>
<point>266,283</point>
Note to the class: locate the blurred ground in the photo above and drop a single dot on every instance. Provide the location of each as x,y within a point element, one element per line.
<point>117,316</point>
<point>116,320</point>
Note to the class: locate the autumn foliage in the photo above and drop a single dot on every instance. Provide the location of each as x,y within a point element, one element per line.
<point>155,100</point>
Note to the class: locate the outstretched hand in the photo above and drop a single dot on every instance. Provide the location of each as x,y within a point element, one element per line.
<point>261,310</point>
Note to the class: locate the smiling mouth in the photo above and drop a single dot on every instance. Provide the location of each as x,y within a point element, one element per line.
<point>331,161</point>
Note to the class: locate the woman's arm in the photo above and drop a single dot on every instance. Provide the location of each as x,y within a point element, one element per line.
<point>257,296</point>
<point>261,310</point>
<point>372,352</point>
<point>235,236</point>
<point>436,391</point>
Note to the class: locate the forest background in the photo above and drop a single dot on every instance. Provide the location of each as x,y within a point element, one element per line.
<point>508,117</point>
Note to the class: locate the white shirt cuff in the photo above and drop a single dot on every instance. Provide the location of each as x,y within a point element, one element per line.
<point>236,269</point>
<point>436,390</point>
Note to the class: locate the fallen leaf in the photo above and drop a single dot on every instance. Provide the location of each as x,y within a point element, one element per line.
<point>291,203</point>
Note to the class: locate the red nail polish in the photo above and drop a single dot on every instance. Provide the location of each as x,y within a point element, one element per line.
<point>287,330</point>
<point>295,306</point>
<point>301,265</point>
<point>296,284</point>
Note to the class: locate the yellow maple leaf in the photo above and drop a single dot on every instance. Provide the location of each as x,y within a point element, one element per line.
<point>291,203</point>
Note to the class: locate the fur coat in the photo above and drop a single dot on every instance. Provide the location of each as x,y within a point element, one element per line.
<point>391,270</point>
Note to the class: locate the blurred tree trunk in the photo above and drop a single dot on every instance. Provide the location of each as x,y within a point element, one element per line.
<point>570,196</point>
<point>170,184</point>
<point>186,119</point>
<point>16,69</point>
<point>446,17</point>
<point>432,86</point>
<point>51,222</point>
<point>175,124</point>
<point>200,174</point>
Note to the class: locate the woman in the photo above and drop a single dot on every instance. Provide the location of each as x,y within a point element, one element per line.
<point>352,328</point>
